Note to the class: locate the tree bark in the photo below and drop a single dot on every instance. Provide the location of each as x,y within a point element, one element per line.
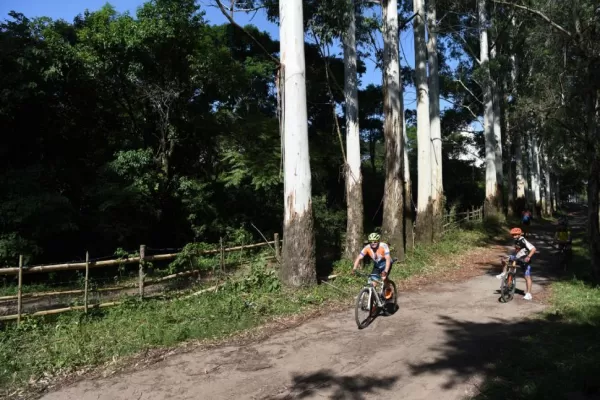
<point>353,175</point>
<point>409,236</point>
<point>437,193</point>
<point>497,127</point>
<point>521,177</point>
<point>491,178</point>
<point>536,173</point>
<point>424,228</point>
<point>298,261</point>
<point>592,105</point>
<point>393,204</point>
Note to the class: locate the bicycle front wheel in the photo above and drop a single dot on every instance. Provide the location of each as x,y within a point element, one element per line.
<point>364,308</point>
<point>507,289</point>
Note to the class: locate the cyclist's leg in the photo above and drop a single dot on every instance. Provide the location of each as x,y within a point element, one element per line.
<point>528,282</point>
<point>504,268</point>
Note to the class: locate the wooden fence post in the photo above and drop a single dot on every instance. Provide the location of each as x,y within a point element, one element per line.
<point>222,251</point>
<point>276,244</point>
<point>141,269</point>
<point>85,288</point>
<point>20,290</point>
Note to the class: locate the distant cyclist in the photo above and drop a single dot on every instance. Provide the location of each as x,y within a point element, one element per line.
<point>563,236</point>
<point>526,218</point>
<point>379,253</point>
<point>524,252</point>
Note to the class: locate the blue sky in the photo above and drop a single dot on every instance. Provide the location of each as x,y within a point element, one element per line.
<point>68,9</point>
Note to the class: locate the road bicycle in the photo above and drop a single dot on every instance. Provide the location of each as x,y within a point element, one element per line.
<point>374,297</point>
<point>509,281</point>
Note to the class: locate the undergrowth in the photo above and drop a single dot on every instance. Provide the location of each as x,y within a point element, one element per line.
<point>62,343</point>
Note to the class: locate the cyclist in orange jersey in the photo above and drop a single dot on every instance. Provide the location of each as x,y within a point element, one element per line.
<point>379,253</point>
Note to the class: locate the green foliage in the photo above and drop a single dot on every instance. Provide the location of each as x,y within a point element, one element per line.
<point>54,344</point>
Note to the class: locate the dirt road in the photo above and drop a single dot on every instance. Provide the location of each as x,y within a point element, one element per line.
<point>404,356</point>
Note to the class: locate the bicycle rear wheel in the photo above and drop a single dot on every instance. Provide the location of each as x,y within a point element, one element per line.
<point>391,304</point>
<point>365,306</point>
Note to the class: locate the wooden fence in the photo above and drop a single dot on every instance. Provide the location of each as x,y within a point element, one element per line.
<point>142,283</point>
<point>453,220</point>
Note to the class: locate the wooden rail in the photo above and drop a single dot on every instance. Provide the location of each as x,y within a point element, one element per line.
<point>142,260</point>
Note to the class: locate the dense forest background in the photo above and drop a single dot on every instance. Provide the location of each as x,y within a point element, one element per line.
<point>162,129</point>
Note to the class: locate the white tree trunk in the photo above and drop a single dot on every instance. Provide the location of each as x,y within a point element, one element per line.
<point>554,189</point>
<point>424,229</point>
<point>519,168</point>
<point>536,184</point>
<point>547,187</point>
<point>434,120</point>
<point>497,127</point>
<point>298,267</point>
<point>491,178</point>
<point>409,235</point>
<point>354,227</point>
<point>527,166</point>
<point>393,205</point>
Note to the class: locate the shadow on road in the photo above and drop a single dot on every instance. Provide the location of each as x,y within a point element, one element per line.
<point>353,387</point>
<point>551,356</point>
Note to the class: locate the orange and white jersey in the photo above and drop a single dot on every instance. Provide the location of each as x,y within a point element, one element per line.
<point>378,255</point>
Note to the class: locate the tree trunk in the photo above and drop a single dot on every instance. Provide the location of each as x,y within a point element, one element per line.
<point>592,100</point>
<point>354,227</point>
<point>437,192</point>
<point>510,171</point>
<point>393,204</point>
<point>424,228</point>
<point>409,235</point>
<point>527,169</point>
<point>298,266</point>
<point>497,127</point>
<point>521,175</point>
<point>593,218</point>
<point>553,191</point>
<point>536,178</point>
<point>547,190</point>
<point>491,178</point>
<point>516,176</point>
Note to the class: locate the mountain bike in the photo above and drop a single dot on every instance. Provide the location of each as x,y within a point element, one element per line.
<point>374,297</point>
<point>509,281</point>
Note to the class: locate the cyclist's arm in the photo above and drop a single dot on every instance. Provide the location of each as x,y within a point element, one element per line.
<point>388,262</point>
<point>531,252</point>
<point>360,256</point>
<point>388,258</point>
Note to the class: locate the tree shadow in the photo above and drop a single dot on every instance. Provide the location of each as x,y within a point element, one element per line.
<point>547,358</point>
<point>340,387</point>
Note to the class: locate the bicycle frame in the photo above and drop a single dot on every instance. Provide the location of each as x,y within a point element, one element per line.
<point>372,284</point>
<point>511,271</point>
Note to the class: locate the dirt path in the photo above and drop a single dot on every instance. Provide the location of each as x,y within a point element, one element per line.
<point>404,356</point>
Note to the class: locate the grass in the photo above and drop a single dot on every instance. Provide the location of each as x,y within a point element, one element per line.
<point>56,345</point>
<point>556,354</point>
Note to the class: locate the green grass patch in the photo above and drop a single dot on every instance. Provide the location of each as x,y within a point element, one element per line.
<point>65,342</point>
<point>556,354</point>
